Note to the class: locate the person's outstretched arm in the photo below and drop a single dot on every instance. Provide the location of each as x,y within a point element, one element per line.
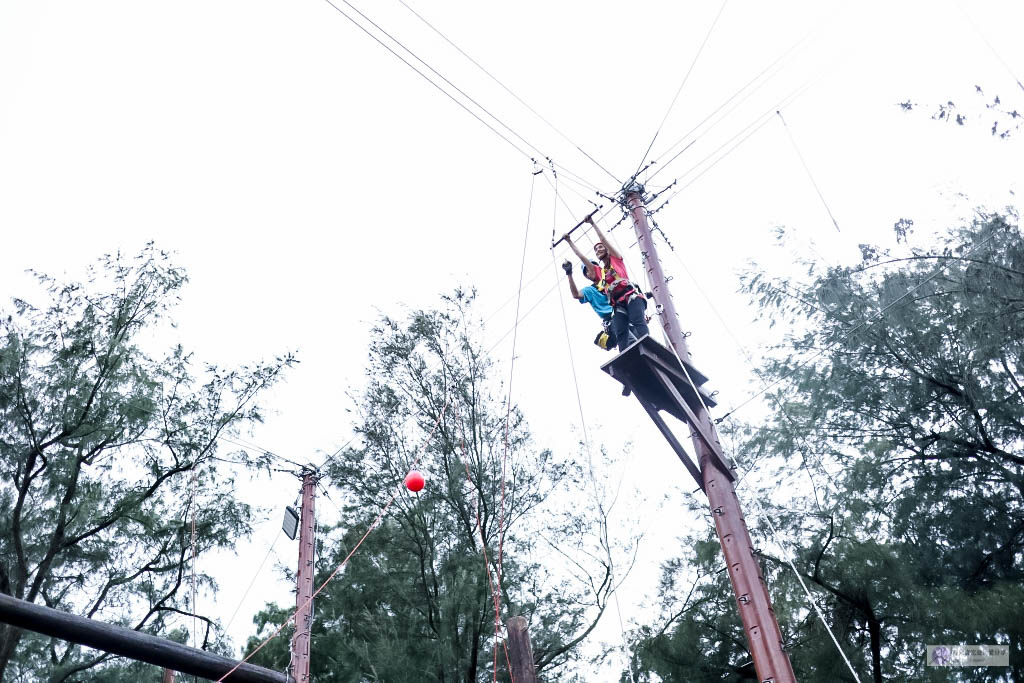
<point>604,240</point>
<point>576,250</point>
<point>567,267</point>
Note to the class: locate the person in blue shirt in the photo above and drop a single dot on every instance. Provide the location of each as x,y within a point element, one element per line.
<point>597,300</point>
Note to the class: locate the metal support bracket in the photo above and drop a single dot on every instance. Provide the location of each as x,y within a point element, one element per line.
<point>655,376</point>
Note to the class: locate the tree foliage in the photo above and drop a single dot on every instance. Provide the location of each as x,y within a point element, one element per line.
<point>109,456</point>
<point>898,407</point>
<point>1002,119</point>
<point>415,601</point>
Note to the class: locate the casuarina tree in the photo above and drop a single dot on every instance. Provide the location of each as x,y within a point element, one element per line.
<point>109,453</point>
<point>895,454</point>
<point>498,522</point>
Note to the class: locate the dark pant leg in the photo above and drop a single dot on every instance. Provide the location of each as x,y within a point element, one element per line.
<point>637,320</point>
<point>620,327</point>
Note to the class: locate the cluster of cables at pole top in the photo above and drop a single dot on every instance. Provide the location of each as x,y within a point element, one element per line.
<point>607,208</point>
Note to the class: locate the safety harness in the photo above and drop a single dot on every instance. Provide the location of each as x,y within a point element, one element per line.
<point>619,290</point>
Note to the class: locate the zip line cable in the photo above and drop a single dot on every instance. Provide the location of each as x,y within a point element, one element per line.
<point>245,444</point>
<point>582,182</point>
<point>791,51</point>
<point>509,91</point>
<point>432,82</point>
<point>336,453</point>
<point>578,194</point>
<point>753,127</point>
<point>681,86</point>
<point>685,136</point>
<point>439,75</point>
<point>817,189</point>
<point>743,135</point>
<point>398,488</point>
<point>569,175</point>
<point>985,40</point>
<point>252,582</point>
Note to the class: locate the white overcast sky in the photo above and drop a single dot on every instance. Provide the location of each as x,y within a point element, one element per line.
<point>308,180</point>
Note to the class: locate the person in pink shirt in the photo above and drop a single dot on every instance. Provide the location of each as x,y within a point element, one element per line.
<point>629,322</point>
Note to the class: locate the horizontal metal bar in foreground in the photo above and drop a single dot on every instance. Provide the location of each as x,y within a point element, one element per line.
<point>128,643</point>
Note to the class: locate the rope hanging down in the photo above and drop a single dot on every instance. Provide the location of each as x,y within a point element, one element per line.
<point>495,592</point>
<point>511,370</point>
<point>586,442</point>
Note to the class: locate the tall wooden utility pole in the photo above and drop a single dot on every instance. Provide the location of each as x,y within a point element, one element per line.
<point>755,607</point>
<point>304,581</point>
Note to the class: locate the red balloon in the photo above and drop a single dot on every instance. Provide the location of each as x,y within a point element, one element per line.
<point>414,481</point>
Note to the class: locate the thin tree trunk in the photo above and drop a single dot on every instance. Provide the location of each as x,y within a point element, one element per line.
<point>474,653</point>
<point>875,631</point>
<point>9,639</point>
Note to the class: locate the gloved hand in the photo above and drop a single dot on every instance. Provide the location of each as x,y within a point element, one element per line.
<point>567,267</point>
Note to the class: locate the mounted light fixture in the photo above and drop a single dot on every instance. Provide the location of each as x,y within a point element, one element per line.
<point>290,525</point>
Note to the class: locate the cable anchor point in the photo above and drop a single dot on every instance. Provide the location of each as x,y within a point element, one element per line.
<point>632,186</point>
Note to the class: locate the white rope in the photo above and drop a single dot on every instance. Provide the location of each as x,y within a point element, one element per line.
<point>810,598</point>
